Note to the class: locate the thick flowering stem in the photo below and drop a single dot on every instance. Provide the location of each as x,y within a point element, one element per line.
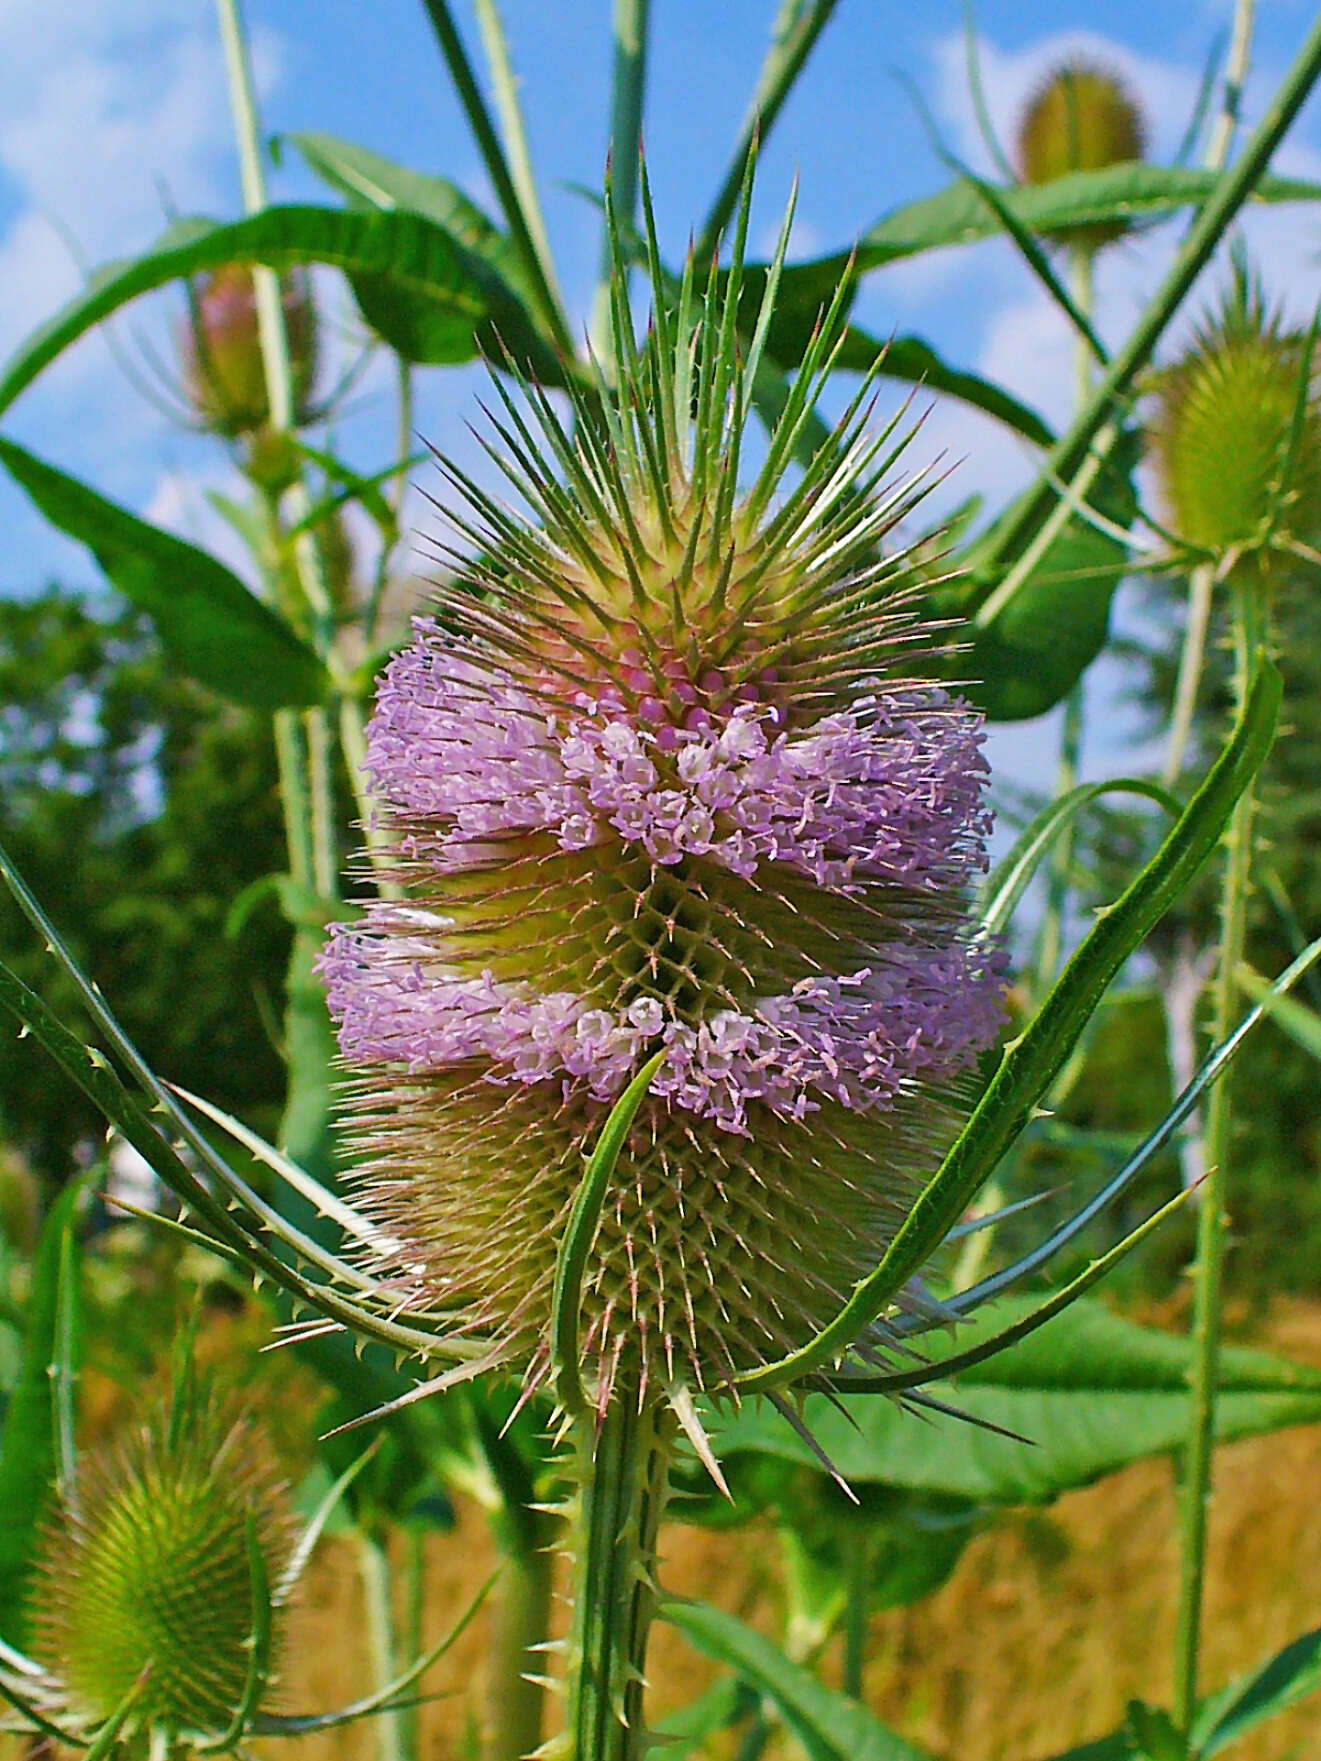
<point>623,1469</point>
<point>1211,1220</point>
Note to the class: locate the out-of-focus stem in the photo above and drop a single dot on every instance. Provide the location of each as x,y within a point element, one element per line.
<point>1236,72</point>
<point>516,1695</point>
<point>325,852</point>
<point>1057,889</point>
<point>1211,1219</point>
<point>511,122</point>
<point>538,272</point>
<point>1191,656</point>
<point>374,1572</point>
<point>628,92</point>
<point>1066,776</point>
<point>857,1588</point>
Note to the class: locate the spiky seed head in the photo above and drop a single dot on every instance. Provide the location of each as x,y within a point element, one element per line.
<point>1230,470</point>
<point>662,772</point>
<point>221,347</point>
<point>1082,117</point>
<point>145,1564</point>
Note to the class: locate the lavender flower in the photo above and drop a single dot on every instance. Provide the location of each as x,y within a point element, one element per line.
<point>658,774</point>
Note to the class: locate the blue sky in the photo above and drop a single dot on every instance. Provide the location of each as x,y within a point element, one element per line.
<point>108,110</point>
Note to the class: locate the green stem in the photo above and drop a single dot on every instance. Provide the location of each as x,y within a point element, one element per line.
<point>623,1468</point>
<point>857,1587</point>
<point>294,804</point>
<point>497,167</point>
<point>797,27</point>
<point>516,1694</point>
<point>1051,938</point>
<point>417,1596</point>
<point>511,121</point>
<point>1211,1219</point>
<point>1203,236</point>
<point>325,852</point>
<point>628,92</point>
<point>1191,657</point>
<point>1236,73</point>
<point>374,1572</point>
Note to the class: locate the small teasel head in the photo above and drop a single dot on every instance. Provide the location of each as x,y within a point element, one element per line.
<point>1082,117</point>
<point>220,344</point>
<point>1236,435</point>
<point>153,1567</point>
<point>662,774</point>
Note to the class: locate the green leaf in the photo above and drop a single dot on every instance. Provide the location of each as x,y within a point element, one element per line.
<point>681,1734</point>
<point>433,301</point>
<point>830,1726</point>
<point>580,1232</point>
<point>205,617</point>
<point>1036,647</point>
<point>959,215</point>
<point>369,181</point>
<point>31,1447</point>
<point>1090,1391</point>
<point>1280,1683</point>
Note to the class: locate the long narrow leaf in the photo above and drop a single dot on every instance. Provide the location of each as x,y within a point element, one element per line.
<point>432,300</point>
<point>999,897</point>
<point>1290,1676</point>
<point>1031,1064</point>
<point>830,1726</point>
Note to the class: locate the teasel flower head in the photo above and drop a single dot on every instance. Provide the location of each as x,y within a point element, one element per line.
<point>663,773</point>
<point>154,1564</point>
<point>1082,117</point>
<point>1236,437</point>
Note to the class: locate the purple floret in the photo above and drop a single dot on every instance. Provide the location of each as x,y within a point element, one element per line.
<point>861,1040</point>
<point>887,793</point>
<point>889,790</point>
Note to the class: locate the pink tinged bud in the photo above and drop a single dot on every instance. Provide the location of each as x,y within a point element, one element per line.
<point>221,347</point>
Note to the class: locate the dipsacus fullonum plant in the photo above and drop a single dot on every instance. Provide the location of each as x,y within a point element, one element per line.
<point>663,782</point>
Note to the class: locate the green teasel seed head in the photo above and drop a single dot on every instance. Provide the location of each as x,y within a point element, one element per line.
<point>1236,438</point>
<point>146,1564</point>
<point>1082,117</point>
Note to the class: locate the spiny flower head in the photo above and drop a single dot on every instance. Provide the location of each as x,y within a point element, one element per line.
<point>1236,440</point>
<point>1082,117</point>
<point>660,773</point>
<point>147,1566</point>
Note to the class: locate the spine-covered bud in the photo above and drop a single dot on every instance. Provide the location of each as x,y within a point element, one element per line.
<point>1082,117</point>
<point>146,1565</point>
<point>221,348</point>
<point>1234,466</point>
